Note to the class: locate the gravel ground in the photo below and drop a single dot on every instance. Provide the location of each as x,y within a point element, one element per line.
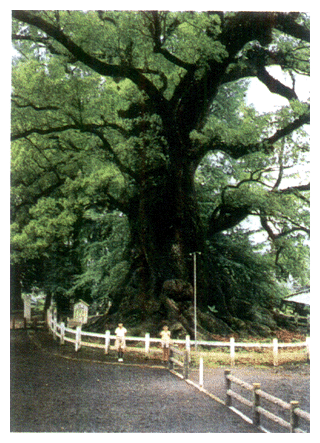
<point>55,390</point>
<point>291,382</point>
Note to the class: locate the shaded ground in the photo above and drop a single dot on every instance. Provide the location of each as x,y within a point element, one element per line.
<point>53,389</point>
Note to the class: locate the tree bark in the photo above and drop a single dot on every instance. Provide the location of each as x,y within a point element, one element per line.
<point>16,302</point>
<point>166,229</point>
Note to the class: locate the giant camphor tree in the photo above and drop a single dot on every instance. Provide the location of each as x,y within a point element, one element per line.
<point>131,125</point>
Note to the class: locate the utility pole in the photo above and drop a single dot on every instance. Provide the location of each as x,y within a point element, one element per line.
<point>195,294</point>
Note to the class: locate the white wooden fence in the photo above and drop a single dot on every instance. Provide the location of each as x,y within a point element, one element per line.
<point>295,413</point>
<point>182,362</point>
<point>77,336</point>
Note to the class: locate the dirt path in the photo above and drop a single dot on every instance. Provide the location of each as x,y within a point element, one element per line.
<point>53,391</point>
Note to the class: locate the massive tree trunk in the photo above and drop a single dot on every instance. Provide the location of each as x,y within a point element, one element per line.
<point>163,216</point>
<point>160,236</point>
<point>169,225</point>
<point>165,230</point>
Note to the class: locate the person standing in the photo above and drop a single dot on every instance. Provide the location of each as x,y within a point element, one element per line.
<point>165,342</point>
<point>120,343</point>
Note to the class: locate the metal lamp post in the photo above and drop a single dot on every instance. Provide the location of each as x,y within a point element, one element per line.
<point>195,295</point>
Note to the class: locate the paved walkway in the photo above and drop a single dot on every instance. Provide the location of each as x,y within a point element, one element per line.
<point>51,393</point>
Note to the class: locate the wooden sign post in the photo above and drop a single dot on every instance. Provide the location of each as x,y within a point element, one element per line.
<point>27,307</point>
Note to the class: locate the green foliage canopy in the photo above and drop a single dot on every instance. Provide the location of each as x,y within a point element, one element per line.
<point>132,147</point>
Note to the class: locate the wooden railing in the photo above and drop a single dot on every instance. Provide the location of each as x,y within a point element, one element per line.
<point>257,411</point>
<point>182,360</point>
<point>23,323</point>
<point>61,329</point>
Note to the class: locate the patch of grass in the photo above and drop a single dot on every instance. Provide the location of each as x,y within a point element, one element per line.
<point>220,356</point>
<point>139,352</point>
<point>217,357</point>
<point>248,357</point>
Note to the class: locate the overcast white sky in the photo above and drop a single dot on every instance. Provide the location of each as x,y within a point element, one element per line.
<point>265,101</point>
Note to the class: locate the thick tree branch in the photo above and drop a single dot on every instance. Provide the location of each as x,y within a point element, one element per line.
<point>157,28</point>
<point>39,39</point>
<point>238,150</point>
<point>297,228</point>
<point>273,235</point>
<point>287,23</point>
<point>103,68</point>
<point>43,131</point>
<point>29,104</point>
<point>226,217</point>
<point>303,119</point>
<point>251,179</point>
<point>122,167</point>
<point>277,259</point>
<point>267,227</point>
<point>90,128</point>
<point>294,189</point>
<point>172,58</point>
<point>43,41</point>
<point>274,85</point>
<point>192,98</point>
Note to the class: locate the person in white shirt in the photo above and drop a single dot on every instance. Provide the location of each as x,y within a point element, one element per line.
<point>120,343</point>
<point>165,342</point>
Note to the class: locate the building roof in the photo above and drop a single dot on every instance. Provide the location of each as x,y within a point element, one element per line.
<point>302,298</point>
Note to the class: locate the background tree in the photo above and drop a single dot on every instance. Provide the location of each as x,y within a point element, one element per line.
<point>112,114</point>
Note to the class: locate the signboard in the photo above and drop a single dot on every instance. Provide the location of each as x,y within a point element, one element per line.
<point>80,312</point>
<point>27,306</point>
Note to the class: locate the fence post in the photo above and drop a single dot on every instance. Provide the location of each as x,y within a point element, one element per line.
<point>255,404</point>
<point>49,318</point>
<point>54,327</point>
<point>232,351</point>
<point>186,365</point>
<point>78,338</point>
<point>201,372</point>
<point>308,348</point>
<point>62,333</point>
<point>275,352</point>
<point>294,419</point>
<point>107,342</point>
<point>228,386</point>
<point>170,362</point>
<point>147,339</point>
<point>188,347</point>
